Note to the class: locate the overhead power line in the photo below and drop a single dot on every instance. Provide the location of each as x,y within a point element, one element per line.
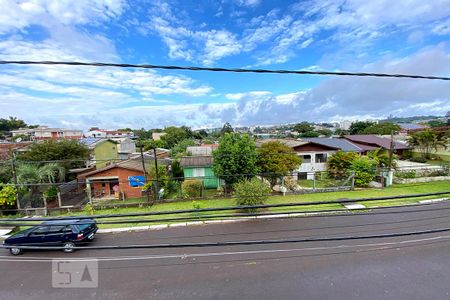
<point>234,70</point>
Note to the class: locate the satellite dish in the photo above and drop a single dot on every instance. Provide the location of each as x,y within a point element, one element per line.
<point>18,140</point>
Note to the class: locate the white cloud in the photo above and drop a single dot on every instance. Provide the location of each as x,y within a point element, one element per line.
<point>21,14</point>
<point>249,2</point>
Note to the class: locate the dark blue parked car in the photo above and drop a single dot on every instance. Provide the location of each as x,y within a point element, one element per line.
<point>66,233</point>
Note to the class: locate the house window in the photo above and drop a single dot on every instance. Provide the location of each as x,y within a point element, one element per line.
<point>198,172</point>
<point>321,157</point>
<point>306,158</point>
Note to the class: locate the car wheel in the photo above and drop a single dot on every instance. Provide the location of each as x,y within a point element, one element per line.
<point>68,247</point>
<point>15,251</point>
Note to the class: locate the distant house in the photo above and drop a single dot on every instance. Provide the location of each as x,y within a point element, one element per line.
<point>200,167</point>
<point>106,151</point>
<point>205,149</point>
<point>407,128</point>
<point>46,133</point>
<point>125,177</point>
<point>96,132</point>
<point>315,152</point>
<point>156,136</point>
<point>372,142</point>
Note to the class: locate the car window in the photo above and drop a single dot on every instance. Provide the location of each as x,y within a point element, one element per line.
<point>57,229</point>
<point>40,230</point>
<point>83,226</point>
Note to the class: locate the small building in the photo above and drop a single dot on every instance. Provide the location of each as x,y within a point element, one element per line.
<point>125,177</point>
<point>200,167</point>
<point>46,133</point>
<point>95,132</point>
<point>156,136</point>
<point>107,151</point>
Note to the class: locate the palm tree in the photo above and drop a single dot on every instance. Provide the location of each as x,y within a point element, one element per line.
<point>382,158</point>
<point>33,175</point>
<point>427,141</point>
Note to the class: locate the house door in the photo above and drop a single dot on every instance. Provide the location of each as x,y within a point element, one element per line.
<point>112,183</point>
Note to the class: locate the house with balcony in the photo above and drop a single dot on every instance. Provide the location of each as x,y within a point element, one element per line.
<point>315,152</point>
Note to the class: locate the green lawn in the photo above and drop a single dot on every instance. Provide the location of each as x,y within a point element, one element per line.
<point>402,189</point>
<point>366,193</point>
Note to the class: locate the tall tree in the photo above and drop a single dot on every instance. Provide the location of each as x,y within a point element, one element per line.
<point>175,135</point>
<point>72,153</point>
<point>276,160</point>
<point>235,158</point>
<point>359,127</point>
<point>303,127</point>
<point>227,128</point>
<point>426,141</point>
<point>384,128</point>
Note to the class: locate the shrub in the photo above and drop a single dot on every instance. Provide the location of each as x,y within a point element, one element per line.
<point>419,159</point>
<point>365,170</point>
<point>7,195</point>
<point>196,205</point>
<point>88,209</point>
<point>192,188</point>
<point>51,193</point>
<point>408,174</point>
<point>439,173</point>
<point>251,192</point>
<point>340,162</point>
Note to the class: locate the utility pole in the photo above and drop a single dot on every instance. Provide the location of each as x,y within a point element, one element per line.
<point>156,174</point>
<point>391,156</point>
<point>14,173</point>
<point>145,172</point>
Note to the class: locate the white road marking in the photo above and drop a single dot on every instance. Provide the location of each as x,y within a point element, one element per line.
<point>214,254</point>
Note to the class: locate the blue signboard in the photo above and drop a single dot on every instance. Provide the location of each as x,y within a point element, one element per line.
<point>136,181</point>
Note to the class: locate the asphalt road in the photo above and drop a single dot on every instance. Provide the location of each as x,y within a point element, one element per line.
<point>408,267</point>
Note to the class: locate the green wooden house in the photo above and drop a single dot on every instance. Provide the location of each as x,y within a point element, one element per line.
<point>200,167</point>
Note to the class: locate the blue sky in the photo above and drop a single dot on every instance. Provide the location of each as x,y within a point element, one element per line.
<point>405,36</point>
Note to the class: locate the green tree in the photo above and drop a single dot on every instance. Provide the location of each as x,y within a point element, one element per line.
<point>382,128</point>
<point>382,158</point>
<point>275,159</point>
<point>180,148</point>
<point>31,176</point>
<point>11,123</point>
<point>365,170</point>
<point>249,192</point>
<point>325,132</point>
<point>152,144</point>
<point>71,152</point>
<point>339,163</point>
<point>227,128</point>
<point>426,141</point>
<point>175,135</point>
<point>436,123</point>
<point>7,195</point>
<point>5,172</point>
<point>341,132</point>
<point>359,127</point>
<point>32,173</point>
<point>303,127</point>
<point>309,134</point>
<point>236,155</point>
